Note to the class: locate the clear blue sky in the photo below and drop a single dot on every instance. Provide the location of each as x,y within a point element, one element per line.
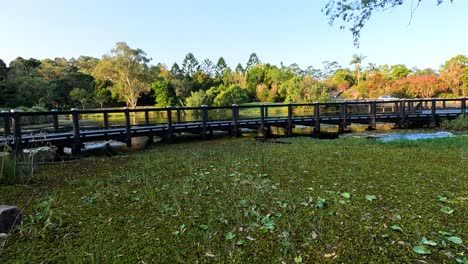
<point>278,31</point>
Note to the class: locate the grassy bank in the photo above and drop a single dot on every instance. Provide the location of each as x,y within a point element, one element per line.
<point>229,200</point>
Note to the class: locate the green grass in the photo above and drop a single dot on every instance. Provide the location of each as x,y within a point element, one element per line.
<point>237,200</point>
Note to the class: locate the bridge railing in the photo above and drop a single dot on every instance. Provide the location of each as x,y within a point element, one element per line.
<point>14,123</point>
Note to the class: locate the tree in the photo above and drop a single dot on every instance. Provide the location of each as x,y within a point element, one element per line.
<point>101,96</point>
<point>175,70</point>
<point>81,95</point>
<point>128,71</point>
<point>220,66</point>
<point>232,95</point>
<point>208,67</point>
<point>252,62</point>
<point>356,61</point>
<point>197,99</point>
<point>454,74</point>
<point>85,64</point>
<point>357,12</point>
<point>399,71</point>
<point>239,68</point>
<point>3,70</point>
<point>164,92</point>
<point>190,65</point>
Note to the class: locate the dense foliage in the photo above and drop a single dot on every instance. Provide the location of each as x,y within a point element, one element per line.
<point>124,76</point>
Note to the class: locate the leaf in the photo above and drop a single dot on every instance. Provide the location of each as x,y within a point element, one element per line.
<point>230,236</point>
<point>444,233</point>
<point>422,250</point>
<point>371,198</point>
<point>203,227</point>
<point>442,199</point>
<point>240,242</point>
<point>462,261</point>
<point>455,240</point>
<point>209,254</point>
<point>243,202</point>
<point>320,203</point>
<point>346,195</point>
<point>396,228</point>
<point>342,202</point>
<point>314,235</point>
<point>424,241</point>
<point>298,259</point>
<point>446,210</point>
<point>305,203</point>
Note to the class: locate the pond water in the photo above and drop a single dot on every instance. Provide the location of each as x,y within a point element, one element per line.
<point>413,136</point>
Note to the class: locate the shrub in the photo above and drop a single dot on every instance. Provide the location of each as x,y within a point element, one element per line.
<point>458,124</point>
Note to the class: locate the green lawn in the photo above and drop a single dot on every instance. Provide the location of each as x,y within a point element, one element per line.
<point>239,200</point>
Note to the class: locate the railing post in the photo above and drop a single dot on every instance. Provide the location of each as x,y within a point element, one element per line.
<point>443,103</point>
<point>373,107</point>
<point>55,119</point>
<point>344,113</point>
<point>147,121</point>
<point>6,123</point>
<point>169,122</point>
<point>262,119</point>
<point>204,121</point>
<point>317,119</point>
<point>403,113</point>
<point>463,106</point>
<point>17,130</point>
<point>235,119</point>
<point>76,145</point>
<point>178,114</point>
<point>290,121</point>
<point>433,113</point>
<point>106,118</point>
<point>128,131</point>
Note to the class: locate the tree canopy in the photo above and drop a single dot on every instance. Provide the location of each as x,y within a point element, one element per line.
<point>355,13</point>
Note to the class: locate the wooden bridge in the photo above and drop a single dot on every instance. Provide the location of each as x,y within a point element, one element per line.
<point>72,128</point>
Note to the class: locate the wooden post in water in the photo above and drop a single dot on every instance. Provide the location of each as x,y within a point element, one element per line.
<point>106,118</point>
<point>178,114</point>
<point>204,121</point>
<point>55,120</point>
<point>6,123</point>
<point>463,106</point>
<point>147,121</point>
<point>262,120</point>
<point>403,113</point>
<point>17,131</point>
<point>344,117</point>
<point>290,122</point>
<point>373,107</point>
<point>169,135</point>
<point>235,119</point>
<point>76,145</point>
<point>317,119</point>
<point>433,113</point>
<point>128,131</point>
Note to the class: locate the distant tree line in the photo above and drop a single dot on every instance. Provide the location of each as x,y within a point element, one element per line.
<point>126,77</point>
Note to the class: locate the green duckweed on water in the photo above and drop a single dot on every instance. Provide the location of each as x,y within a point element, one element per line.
<point>239,200</point>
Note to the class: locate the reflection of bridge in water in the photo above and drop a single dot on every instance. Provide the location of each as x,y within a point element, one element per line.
<point>69,129</point>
